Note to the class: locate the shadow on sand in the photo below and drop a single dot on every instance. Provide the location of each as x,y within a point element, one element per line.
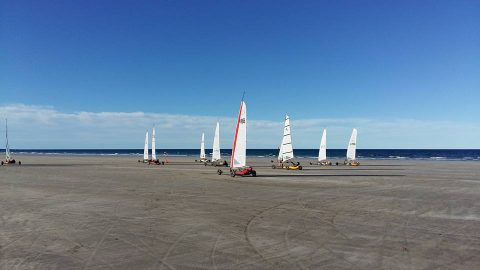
<point>183,163</point>
<point>347,169</point>
<point>380,165</point>
<point>328,175</point>
<point>59,165</point>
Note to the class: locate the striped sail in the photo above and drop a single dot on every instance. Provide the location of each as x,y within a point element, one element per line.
<point>239,148</point>
<point>352,145</point>
<point>286,148</point>
<point>322,153</point>
<point>145,148</point>
<point>216,144</point>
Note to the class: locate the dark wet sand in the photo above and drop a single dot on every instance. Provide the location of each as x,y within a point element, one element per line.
<point>116,213</point>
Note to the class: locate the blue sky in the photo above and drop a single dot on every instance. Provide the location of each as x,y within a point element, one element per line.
<point>400,66</point>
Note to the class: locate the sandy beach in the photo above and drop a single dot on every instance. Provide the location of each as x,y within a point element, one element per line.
<point>67,212</point>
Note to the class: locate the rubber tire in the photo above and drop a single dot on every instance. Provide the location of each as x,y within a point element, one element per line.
<point>300,167</point>
<point>219,172</point>
<point>19,163</point>
<point>232,173</point>
<point>254,173</point>
<point>274,167</point>
<point>2,163</point>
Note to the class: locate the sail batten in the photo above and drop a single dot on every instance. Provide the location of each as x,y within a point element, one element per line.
<point>239,148</point>
<point>322,153</point>
<point>352,146</point>
<point>216,144</point>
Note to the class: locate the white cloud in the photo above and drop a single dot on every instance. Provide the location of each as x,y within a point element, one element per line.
<point>45,127</point>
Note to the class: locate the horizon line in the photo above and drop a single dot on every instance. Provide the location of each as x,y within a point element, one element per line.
<point>247,149</point>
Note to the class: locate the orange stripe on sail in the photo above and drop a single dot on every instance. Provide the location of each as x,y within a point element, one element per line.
<point>236,133</point>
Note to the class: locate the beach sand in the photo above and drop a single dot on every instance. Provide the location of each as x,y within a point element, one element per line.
<point>61,212</point>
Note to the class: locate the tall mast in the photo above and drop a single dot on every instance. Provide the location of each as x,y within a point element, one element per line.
<point>7,147</point>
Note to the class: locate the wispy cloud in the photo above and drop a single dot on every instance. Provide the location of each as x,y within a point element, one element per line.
<point>45,127</point>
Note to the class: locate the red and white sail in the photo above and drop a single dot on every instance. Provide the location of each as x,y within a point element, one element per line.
<point>239,148</point>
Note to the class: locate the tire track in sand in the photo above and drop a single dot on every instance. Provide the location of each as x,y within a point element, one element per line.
<point>331,224</point>
<point>102,239</point>
<point>247,231</point>
<point>212,255</point>
<point>163,261</point>
<point>287,239</point>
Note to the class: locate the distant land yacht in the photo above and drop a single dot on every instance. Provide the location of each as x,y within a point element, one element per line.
<point>351,150</point>
<point>285,153</point>
<point>145,149</point>
<point>238,160</point>
<point>203,157</point>
<point>154,160</point>
<point>8,155</point>
<point>216,157</point>
<point>146,157</point>
<point>322,152</point>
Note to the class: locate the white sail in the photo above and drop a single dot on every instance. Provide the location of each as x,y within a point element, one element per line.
<point>202,147</point>
<point>280,151</point>
<point>286,148</point>
<point>239,148</point>
<point>7,147</point>
<point>322,153</point>
<point>352,145</point>
<point>145,149</point>
<point>216,144</point>
<point>154,150</point>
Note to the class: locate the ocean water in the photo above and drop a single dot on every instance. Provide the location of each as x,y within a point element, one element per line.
<point>428,154</point>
